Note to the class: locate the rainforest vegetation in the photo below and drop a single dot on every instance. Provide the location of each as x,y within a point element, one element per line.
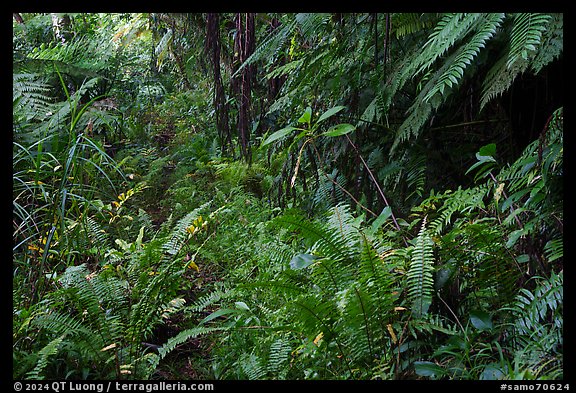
<point>298,196</point>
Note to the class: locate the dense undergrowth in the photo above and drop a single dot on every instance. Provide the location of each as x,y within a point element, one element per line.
<point>143,251</point>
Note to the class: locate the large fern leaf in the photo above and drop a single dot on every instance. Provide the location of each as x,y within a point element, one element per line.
<point>526,35</point>
<point>466,54</point>
<point>420,283</point>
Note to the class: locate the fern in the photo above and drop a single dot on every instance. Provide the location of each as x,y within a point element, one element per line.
<point>420,283</point>
<point>462,201</point>
<point>465,54</point>
<point>552,43</point>
<point>252,366</point>
<point>407,23</point>
<point>50,349</point>
<point>179,339</point>
<point>278,357</point>
<point>179,233</point>
<point>554,249</point>
<point>499,78</point>
<point>30,97</point>
<point>540,306</point>
<point>450,29</point>
<point>271,45</point>
<point>534,41</point>
<point>526,35</point>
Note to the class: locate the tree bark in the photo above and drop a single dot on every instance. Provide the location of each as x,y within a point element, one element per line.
<point>244,47</point>
<point>18,17</point>
<point>212,48</point>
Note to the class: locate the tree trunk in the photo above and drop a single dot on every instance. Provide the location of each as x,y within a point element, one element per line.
<point>212,49</point>
<point>244,47</point>
<point>17,17</point>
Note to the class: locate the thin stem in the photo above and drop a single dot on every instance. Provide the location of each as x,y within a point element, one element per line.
<point>377,186</point>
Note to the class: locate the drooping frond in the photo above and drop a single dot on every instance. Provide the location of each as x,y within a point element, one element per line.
<point>465,54</point>
<point>535,41</point>
<point>407,23</point>
<point>526,35</point>
<point>271,45</point>
<point>450,29</point>
<point>551,43</point>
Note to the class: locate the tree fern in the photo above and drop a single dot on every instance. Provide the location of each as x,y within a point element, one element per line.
<point>407,23</point>
<point>420,281</point>
<point>526,35</point>
<point>534,41</point>
<point>465,54</point>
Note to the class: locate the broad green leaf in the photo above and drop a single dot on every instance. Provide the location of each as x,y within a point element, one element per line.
<point>278,135</point>
<point>513,237</point>
<point>442,276</point>
<point>242,306</point>
<point>386,213</point>
<point>428,369</point>
<point>218,313</point>
<point>330,112</point>
<point>481,320</point>
<point>301,261</point>
<point>488,150</point>
<point>306,116</point>
<point>340,129</point>
<point>492,372</point>
<point>514,198</point>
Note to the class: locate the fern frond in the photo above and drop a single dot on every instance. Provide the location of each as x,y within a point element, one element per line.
<point>552,43</point>
<point>179,234</point>
<point>420,282</point>
<point>50,349</point>
<point>181,338</point>
<point>311,23</point>
<point>278,357</point>
<point>554,249</point>
<point>499,78</point>
<point>450,29</point>
<point>30,96</point>
<point>465,54</point>
<point>535,40</point>
<point>407,23</point>
<point>252,366</point>
<point>270,46</point>
<point>98,235</point>
<point>526,35</point>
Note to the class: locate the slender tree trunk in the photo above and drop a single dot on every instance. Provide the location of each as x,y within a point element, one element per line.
<point>17,17</point>
<point>220,105</point>
<point>244,47</point>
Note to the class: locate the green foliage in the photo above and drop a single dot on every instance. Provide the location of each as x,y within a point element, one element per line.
<point>535,40</point>
<point>393,224</point>
<point>419,277</point>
